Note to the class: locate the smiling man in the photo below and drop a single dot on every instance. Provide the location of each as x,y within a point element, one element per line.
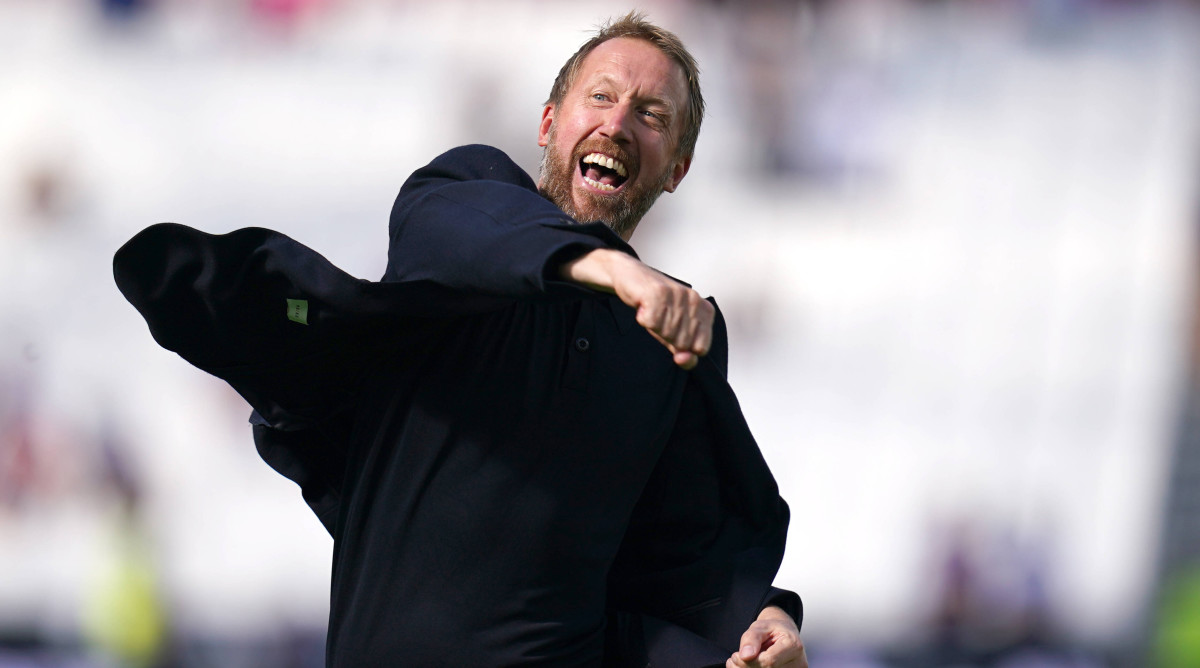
<point>612,131</point>
<point>521,439</point>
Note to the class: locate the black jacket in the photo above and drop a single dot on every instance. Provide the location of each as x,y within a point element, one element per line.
<point>501,456</point>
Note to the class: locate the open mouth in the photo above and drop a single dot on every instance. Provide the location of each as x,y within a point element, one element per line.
<point>602,172</point>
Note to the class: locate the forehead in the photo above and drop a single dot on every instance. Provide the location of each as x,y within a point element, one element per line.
<point>637,65</point>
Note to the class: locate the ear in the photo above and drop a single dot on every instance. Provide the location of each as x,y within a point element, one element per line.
<point>679,171</point>
<point>544,126</point>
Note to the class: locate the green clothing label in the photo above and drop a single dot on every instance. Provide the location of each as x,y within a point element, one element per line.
<point>298,310</point>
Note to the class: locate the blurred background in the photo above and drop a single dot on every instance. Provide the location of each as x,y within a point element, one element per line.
<point>955,242</point>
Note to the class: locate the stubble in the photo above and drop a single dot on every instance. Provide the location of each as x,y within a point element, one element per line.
<point>622,210</point>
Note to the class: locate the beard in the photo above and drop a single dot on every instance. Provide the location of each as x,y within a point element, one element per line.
<point>621,211</point>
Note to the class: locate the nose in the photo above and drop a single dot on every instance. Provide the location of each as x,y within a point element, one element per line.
<point>616,123</point>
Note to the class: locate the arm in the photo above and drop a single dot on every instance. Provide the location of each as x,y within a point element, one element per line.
<point>673,313</point>
<point>473,223</point>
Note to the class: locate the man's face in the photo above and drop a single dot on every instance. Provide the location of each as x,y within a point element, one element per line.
<point>626,107</point>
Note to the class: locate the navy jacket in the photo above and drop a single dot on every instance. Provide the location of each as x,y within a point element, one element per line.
<point>513,471</point>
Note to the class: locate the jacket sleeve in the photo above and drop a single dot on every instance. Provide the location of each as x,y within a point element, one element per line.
<point>288,330</point>
<point>788,601</point>
<point>472,221</point>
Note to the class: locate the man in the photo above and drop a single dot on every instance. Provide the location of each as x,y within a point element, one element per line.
<point>513,469</point>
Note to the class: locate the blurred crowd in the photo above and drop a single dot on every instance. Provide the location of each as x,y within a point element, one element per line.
<point>954,242</point>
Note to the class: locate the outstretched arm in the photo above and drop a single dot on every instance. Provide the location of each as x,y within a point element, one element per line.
<point>673,313</point>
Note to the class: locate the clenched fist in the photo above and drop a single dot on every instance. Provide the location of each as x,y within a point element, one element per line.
<point>673,313</point>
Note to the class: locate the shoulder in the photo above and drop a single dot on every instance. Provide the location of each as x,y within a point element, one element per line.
<point>474,162</point>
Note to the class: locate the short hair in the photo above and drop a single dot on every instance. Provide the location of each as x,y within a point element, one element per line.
<point>635,25</point>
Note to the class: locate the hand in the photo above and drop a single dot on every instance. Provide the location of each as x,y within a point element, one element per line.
<point>673,313</point>
<point>771,641</point>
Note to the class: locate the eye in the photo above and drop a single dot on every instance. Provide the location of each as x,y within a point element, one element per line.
<point>599,97</point>
<point>655,118</point>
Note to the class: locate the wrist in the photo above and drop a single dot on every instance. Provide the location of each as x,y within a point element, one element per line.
<point>595,269</point>
<point>774,612</point>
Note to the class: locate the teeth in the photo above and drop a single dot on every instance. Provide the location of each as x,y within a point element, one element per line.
<point>605,161</point>
<point>597,184</point>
